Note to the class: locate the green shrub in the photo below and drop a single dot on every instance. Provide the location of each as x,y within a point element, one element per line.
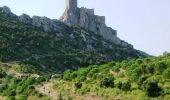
<point>152,89</point>
<point>78,85</point>
<point>107,82</point>
<point>151,69</point>
<point>141,80</point>
<point>27,69</point>
<point>40,79</point>
<point>166,73</point>
<point>3,87</point>
<point>93,71</point>
<point>126,86</point>
<point>69,98</point>
<point>67,75</point>
<point>11,98</point>
<point>161,66</point>
<point>82,78</point>
<point>22,97</point>
<point>119,85</point>
<point>2,74</point>
<point>9,92</point>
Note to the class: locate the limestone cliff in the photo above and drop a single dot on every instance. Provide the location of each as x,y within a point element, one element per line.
<point>86,18</point>
<point>51,43</point>
<point>73,16</point>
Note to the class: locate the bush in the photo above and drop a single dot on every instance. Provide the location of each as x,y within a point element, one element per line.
<point>78,85</point>
<point>152,89</point>
<point>69,98</point>
<point>161,66</point>
<point>2,74</point>
<point>93,71</point>
<point>107,82</point>
<point>26,68</point>
<point>11,98</point>
<point>40,79</point>
<point>67,75</point>
<point>141,81</point>
<point>12,93</point>
<point>22,98</point>
<point>151,69</point>
<point>3,87</point>
<point>119,85</point>
<point>9,92</point>
<point>126,86</point>
<point>166,73</point>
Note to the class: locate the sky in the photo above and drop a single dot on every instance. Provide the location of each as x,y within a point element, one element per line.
<point>143,23</point>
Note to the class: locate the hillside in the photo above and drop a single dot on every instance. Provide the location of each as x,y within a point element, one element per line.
<point>142,79</point>
<point>55,51</point>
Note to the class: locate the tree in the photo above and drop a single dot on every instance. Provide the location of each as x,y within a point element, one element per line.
<point>119,85</point>
<point>2,74</point>
<point>152,89</point>
<point>107,82</point>
<point>141,81</point>
<point>161,66</point>
<point>78,85</point>
<point>150,69</point>
<point>126,86</point>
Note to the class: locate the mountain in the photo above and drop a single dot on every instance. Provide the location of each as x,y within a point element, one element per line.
<point>51,45</point>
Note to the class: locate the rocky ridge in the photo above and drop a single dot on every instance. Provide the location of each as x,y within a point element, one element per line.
<point>87,19</point>
<point>52,25</point>
<point>46,43</point>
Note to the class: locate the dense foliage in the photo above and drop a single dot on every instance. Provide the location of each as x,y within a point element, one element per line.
<point>140,78</point>
<point>18,81</point>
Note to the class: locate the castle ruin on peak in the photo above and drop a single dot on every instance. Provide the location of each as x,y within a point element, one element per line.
<point>83,17</point>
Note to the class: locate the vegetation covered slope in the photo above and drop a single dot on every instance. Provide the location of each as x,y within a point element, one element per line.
<point>68,47</point>
<point>14,85</point>
<point>142,79</point>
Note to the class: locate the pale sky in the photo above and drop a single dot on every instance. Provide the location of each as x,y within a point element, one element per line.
<point>143,23</point>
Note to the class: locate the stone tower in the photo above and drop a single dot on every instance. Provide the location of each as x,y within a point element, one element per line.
<point>85,18</point>
<point>71,5</point>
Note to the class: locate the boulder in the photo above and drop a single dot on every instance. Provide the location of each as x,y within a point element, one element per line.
<point>6,10</point>
<point>25,19</point>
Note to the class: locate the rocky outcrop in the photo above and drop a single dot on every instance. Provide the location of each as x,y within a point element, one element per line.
<point>83,17</point>
<point>25,18</point>
<point>48,25</point>
<point>7,11</point>
<point>72,16</point>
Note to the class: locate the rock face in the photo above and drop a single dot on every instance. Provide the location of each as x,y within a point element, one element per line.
<point>73,16</point>
<point>6,10</point>
<point>25,18</point>
<point>48,25</point>
<point>86,18</point>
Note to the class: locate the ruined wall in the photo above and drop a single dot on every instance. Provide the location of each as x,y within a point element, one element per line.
<point>86,18</point>
<point>71,4</point>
